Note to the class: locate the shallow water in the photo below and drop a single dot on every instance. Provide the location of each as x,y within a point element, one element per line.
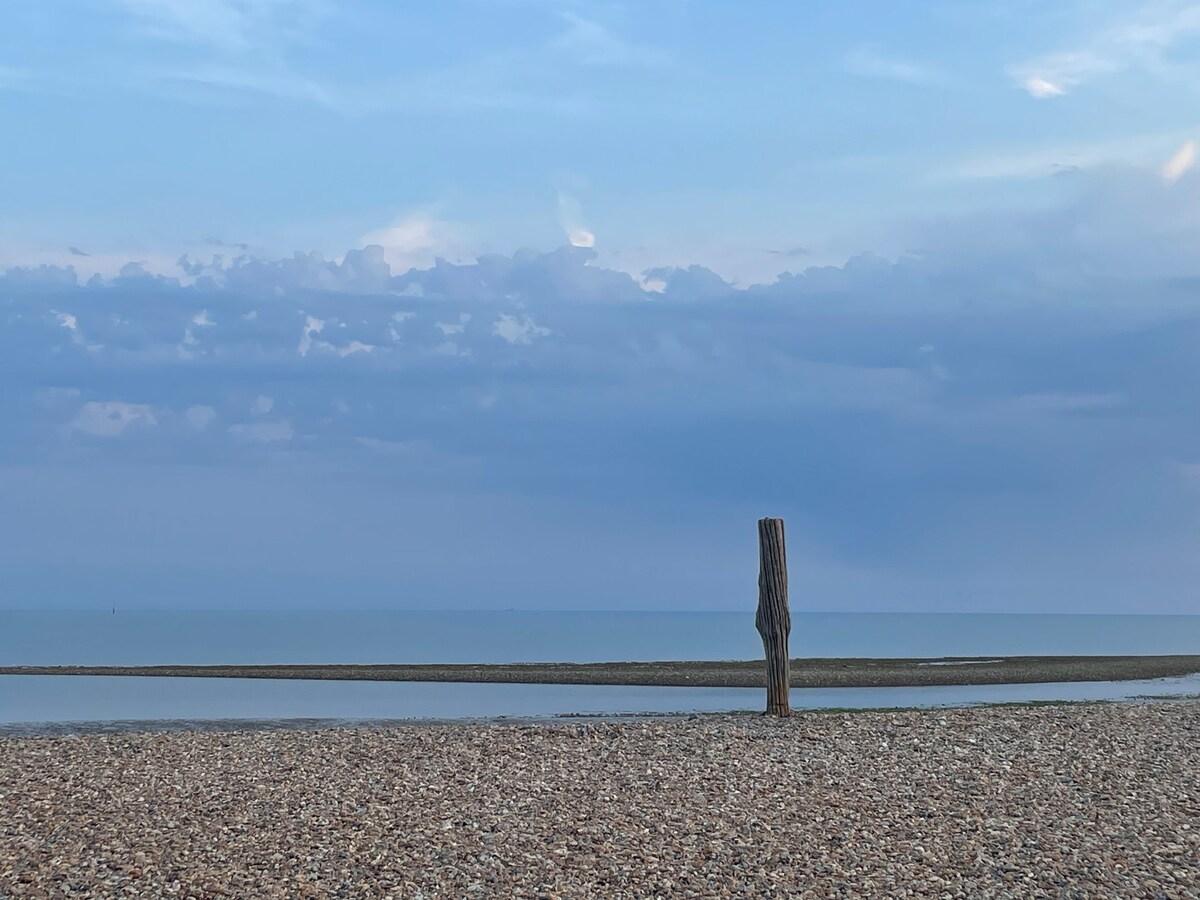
<point>61,698</point>
<point>231,637</point>
<point>216,637</point>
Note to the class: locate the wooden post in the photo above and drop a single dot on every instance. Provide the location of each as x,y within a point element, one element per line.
<point>773,620</point>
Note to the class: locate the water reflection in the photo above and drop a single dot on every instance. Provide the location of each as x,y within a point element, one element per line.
<point>56,698</point>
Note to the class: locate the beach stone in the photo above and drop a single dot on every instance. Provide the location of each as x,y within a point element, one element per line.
<point>1074,801</point>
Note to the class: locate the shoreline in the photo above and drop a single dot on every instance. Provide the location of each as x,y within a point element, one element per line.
<point>14,731</point>
<point>805,673</point>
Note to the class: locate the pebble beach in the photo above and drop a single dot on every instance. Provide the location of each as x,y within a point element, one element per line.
<point>1056,801</point>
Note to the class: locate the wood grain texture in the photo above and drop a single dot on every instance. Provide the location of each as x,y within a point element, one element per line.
<point>773,619</point>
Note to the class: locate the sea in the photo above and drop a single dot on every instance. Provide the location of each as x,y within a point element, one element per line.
<point>143,637</point>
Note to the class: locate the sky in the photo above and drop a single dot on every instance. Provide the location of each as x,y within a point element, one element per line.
<point>541,303</point>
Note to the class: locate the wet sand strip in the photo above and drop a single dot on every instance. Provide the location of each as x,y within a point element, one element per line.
<point>814,673</point>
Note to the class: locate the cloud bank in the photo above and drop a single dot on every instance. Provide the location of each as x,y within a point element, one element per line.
<point>1001,418</point>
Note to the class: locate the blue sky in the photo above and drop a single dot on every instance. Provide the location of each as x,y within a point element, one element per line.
<point>520,303</point>
<point>675,132</point>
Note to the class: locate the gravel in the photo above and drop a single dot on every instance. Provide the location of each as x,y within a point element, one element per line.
<point>1066,801</point>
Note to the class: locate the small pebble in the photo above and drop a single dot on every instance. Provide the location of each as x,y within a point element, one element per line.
<point>1069,801</point>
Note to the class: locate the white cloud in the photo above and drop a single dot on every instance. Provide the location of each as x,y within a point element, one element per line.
<point>868,63</point>
<point>518,331</point>
<point>1138,42</point>
<point>263,432</point>
<point>449,328</point>
<point>262,405</point>
<point>60,261</point>
<point>275,80</point>
<point>110,418</point>
<point>202,320</point>
<point>1142,150</point>
<point>234,26</point>
<point>589,43</point>
<point>1040,87</point>
<point>1181,162</point>
<point>234,45</point>
<point>416,241</point>
<point>71,324</point>
<point>312,325</point>
<point>199,417</point>
<point>653,285</point>
<point>355,347</point>
<point>570,216</point>
<point>581,237</point>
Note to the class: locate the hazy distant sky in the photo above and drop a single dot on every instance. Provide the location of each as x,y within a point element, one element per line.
<point>542,303</point>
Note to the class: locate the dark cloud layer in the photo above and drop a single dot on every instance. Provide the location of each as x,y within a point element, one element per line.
<point>1003,419</point>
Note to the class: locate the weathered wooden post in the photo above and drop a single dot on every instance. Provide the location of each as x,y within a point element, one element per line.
<point>774,620</point>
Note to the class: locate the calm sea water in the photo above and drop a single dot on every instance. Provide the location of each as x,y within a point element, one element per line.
<point>133,638</point>
<point>199,637</point>
<point>33,699</point>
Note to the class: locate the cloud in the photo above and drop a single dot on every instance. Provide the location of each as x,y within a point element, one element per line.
<point>1181,162</point>
<point>312,325</point>
<point>199,417</point>
<point>691,283</point>
<point>354,347</point>
<point>581,237</point>
<point>1139,150</point>
<point>255,51</point>
<point>565,275</point>
<point>449,328</point>
<point>360,271</point>
<point>869,63</point>
<point>275,80</point>
<point>231,46</point>
<point>217,242</point>
<point>71,323</point>
<point>1135,41</point>
<point>43,277</point>
<point>1039,87</point>
<point>516,330</point>
<point>111,418</point>
<point>1017,386</point>
<point>570,216</point>
<point>589,43</point>
<point>416,240</point>
<point>263,432</point>
<point>233,26</point>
